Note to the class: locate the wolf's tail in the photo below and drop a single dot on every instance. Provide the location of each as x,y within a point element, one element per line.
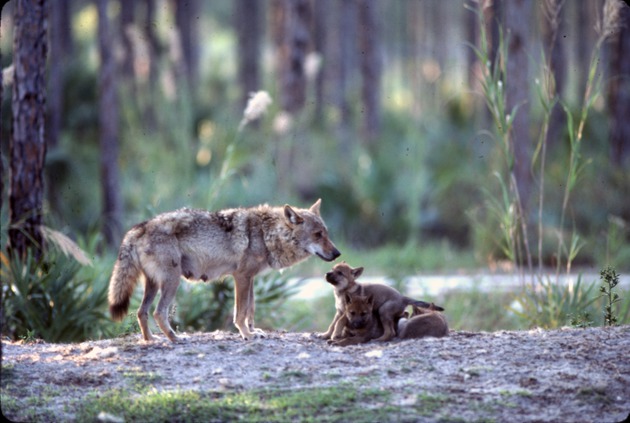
<point>124,278</point>
<point>423,304</point>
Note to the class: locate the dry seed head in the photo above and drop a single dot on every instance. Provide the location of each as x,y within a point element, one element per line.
<point>257,105</point>
<point>610,22</point>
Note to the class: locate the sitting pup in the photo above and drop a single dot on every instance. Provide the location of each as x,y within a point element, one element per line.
<point>388,303</point>
<point>361,324</point>
<point>423,322</point>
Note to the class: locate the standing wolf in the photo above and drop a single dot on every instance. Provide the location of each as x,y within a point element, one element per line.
<point>202,245</point>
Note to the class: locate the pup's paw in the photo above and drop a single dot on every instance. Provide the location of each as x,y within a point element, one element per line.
<point>321,335</point>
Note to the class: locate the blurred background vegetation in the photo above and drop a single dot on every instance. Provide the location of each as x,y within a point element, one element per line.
<point>378,108</point>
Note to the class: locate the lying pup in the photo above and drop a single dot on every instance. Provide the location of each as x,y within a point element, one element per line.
<point>388,304</point>
<point>423,322</point>
<point>361,323</point>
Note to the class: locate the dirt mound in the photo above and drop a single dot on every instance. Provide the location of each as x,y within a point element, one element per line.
<point>568,375</point>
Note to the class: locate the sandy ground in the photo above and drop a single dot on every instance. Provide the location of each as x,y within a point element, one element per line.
<point>568,375</point>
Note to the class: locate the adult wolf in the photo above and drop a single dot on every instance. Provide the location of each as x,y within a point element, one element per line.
<point>202,245</point>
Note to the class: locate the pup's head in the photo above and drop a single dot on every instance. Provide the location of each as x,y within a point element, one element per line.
<point>359,311</point>
<point>310,232</point>
<point>342,276</point>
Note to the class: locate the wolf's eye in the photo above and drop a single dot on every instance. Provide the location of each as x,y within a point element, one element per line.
<point>318,235</point>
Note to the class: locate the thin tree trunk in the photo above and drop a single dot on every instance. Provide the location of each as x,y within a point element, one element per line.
<point>619,93</point>
<point>247,21</point>
<point>556,59</point>
<point>342,67</point>
<point>321,10</point>
<point>186,18</point>
<point>108,127</point>
<point>517,21</point>
<point>27,150</point>
<point>292,37</point>
<point>370,70</point>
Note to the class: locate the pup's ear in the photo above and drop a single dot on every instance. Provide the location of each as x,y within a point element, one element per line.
<point>370,300</point>
<point>348,299</point>
<point>315,207</point>
<point>292,216</point>
<point>357,272</point>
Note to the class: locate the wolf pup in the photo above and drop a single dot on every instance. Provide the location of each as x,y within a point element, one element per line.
<point>361,324</point>
<point>202,245</point>
<point>423,322</point>
<point>388,303</point>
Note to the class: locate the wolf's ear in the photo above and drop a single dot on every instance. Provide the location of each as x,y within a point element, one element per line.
<point>292,216</point>
<point>357,272</point>
<point>315,207</point>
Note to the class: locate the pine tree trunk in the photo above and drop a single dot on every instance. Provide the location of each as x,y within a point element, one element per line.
<point>517,21</point>
<point>370,70</point>
<point>292,36</point>
<point>552,28</point>
<point>27,148</point>
<point>247,21</point>
<point>619,93</point>
<point>108,130</point>
<point>186,18</point>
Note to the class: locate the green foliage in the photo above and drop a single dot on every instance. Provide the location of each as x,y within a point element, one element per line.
<point>52,299</point>
<point>548,304</point>
<point>475,310</point>
<point>610,280</point>
<point>343,403</point>
<point>208,306</point>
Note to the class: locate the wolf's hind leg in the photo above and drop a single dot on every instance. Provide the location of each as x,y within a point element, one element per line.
<point>150,291</point>
<point>243,289</point>
<point>169,289</point>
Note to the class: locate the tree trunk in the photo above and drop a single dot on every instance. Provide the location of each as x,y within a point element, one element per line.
<point>60,49</point>
<point>292,36</point>
<point>619,93</point>
<point>552,29</point>
<point>321,10</point>
<point>370,70</point>
<point>186,18</point>
<point>247,21</point>
<point>108,127</point>
<point>517,21</point>
<point>342,57</point>
<point>27,150</point>
<point>126,21</point>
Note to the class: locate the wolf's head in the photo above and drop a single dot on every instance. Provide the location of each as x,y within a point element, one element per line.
<point>309,231</point>
<point>342,276</point>
<point>359,311</point>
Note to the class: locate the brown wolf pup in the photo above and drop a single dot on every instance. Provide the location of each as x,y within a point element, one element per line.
<point>388,303</point>
<point>361,323</point>
<point>202,245</point>
<point>423,322</point>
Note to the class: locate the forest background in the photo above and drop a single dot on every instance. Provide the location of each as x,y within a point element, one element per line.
<point>441,136</point>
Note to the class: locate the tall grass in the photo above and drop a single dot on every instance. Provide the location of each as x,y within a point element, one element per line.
<point>542,299</point>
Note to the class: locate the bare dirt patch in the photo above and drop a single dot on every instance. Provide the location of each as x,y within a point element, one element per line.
<point>568,375</point>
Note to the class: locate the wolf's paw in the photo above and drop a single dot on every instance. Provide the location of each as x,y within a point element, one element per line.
<point>258,333</point>
<point>252,334</point>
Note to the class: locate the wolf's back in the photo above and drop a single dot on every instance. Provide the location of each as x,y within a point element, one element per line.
<point>124,277</point>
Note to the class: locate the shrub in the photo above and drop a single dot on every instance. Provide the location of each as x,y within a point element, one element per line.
<point>52,299</point>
